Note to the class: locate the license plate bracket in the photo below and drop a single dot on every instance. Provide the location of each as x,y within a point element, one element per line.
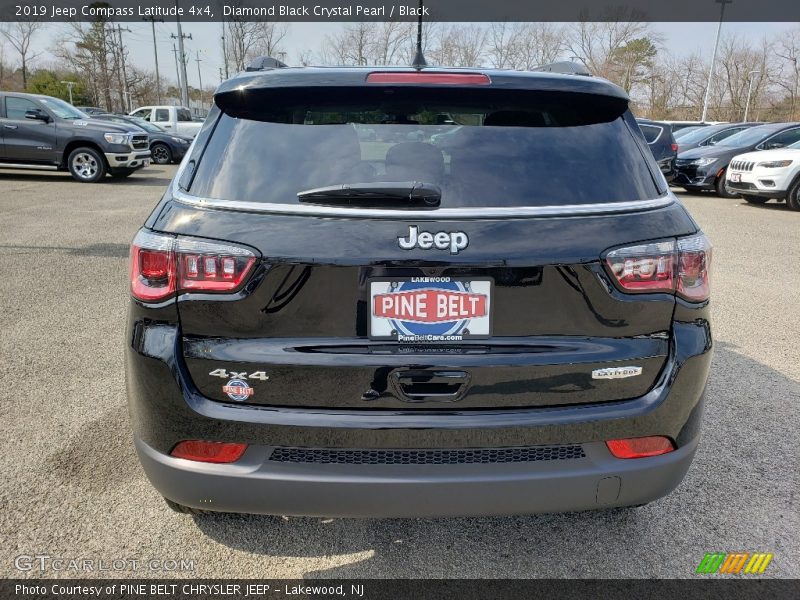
<point>430,310</point>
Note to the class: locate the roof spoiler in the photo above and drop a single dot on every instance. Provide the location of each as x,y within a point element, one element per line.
<point>565,66</point>
<point>264,63</point>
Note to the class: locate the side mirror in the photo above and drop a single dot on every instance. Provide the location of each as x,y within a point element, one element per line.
<point>37,114</point>
<point>773,145</point>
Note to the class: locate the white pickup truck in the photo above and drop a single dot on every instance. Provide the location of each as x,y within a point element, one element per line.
<point>176,119</point>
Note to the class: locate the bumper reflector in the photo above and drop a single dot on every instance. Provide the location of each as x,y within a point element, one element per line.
<point>209,452</point>
<point>640,447</point>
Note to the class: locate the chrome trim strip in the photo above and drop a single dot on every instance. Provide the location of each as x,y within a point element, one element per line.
<point>420,215</point>
<point>31,167</point>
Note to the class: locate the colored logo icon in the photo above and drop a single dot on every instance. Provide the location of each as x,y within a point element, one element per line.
<point>734,562</point>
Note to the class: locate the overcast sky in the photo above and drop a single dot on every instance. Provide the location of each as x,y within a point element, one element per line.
<point>679,38</point>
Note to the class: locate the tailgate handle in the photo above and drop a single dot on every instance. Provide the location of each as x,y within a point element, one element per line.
<point>424,385</point>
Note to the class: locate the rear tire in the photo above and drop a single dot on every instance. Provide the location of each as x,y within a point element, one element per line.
<point>755,199</point>
<point>722,191</point>
<point>86,165</point>
<point>793,195</point>
<point>186,510</point>
<point>161,154</point>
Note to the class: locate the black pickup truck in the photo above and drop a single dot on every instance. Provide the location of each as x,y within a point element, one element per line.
<point>45,133</point>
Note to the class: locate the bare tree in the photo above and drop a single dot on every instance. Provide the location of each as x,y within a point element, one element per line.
<point>90,48</point>
<point>390,37</point>
<point>305,57</point>
<point>789,70</point>
<point>270,37</point>
<point>523,45</point>
<point>352,45</point>
<point>742,69</point>
<point>20,35</point>
<point>596,43</point>
<point>460,46</point>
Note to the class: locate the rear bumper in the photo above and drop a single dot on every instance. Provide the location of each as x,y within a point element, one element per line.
<point>256,484</point>
<point>166,408</point>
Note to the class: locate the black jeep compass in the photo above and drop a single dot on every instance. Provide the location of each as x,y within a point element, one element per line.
<point>332,315</point>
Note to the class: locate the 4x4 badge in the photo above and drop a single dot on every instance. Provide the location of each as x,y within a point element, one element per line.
<point>456,241</point>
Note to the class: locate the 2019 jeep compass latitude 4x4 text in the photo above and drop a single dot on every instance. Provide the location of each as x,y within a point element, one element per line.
<point>333,316</point>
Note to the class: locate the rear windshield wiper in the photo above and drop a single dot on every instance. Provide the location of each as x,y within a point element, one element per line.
<point>380,194</point>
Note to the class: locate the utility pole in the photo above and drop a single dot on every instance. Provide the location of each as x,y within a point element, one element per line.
<point>224,50</point>
<point>220,75</point>
<point>722,4</point>
<point>181,37</point>
<point>199,76</point>
<point>155,53</point>
<point>70,85</point>
<point>749,91</point>
<point>177,68</point>
<point>124,72</point>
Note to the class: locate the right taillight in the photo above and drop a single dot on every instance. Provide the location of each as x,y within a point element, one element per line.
<point>679,266</point>
<point>162,265</point>
<point>694,263</point>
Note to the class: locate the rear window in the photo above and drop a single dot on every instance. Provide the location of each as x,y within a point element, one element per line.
<point>494,149</point>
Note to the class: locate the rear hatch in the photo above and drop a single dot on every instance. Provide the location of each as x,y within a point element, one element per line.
<point>420,246</point>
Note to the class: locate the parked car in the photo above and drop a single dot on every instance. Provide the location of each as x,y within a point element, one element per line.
<point>678,125</point>
<point>175,119</point>
<point>759,176</point>
<point>683,131</point>
<point>711,135</point>
<point>704,168</point>
<point>92,110</point>
<point>658,136</point>
<point>165,147</point>
<point>48,134</point>
<point>519,326</point>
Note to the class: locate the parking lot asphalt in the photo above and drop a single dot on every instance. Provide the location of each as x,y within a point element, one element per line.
<point>73,488</point>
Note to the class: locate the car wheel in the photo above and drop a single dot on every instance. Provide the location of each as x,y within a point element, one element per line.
<point>793,195</point>
<point>122,174</point>
<point>86,165</point>
<point>187,510</point>
<point>722,189</point>
<point>161,154</point>
<point>755,199</point>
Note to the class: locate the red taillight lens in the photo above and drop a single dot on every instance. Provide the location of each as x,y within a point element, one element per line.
<point>430,78</point>
<point>162,265</point>
<point>152,267</point>
<point>674,147</point>
<point>209,452</point>
<point>640,447</point>
<point>694,264</point>
<point>644,268</point>
<point>665,266</point>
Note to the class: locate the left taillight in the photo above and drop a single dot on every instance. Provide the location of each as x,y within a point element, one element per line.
<point>163,265</point>
<point>678,266</point>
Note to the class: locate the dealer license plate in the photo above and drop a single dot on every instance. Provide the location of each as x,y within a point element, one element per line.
<point>430,309</point>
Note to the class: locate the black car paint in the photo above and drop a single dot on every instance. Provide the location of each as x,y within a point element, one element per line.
<point>177,150</point>
<point>663,147</point>
<point>321,361</point>
<point>710,132</point>
<point>49,143</point>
